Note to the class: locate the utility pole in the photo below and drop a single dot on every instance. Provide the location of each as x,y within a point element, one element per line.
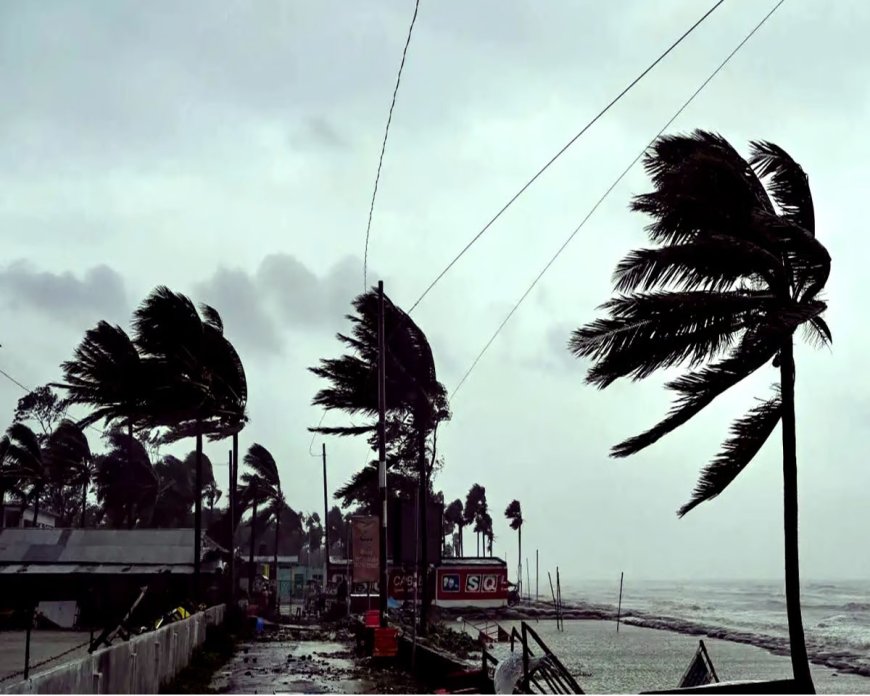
<point>231,565</point>
<point>325,525</point>
<point>382,454</point>
<point>537,568</point>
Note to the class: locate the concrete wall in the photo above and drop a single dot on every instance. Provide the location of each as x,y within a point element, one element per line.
<point>138,666</point>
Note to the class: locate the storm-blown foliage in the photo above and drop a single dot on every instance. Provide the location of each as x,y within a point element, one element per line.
<point>736,270</point>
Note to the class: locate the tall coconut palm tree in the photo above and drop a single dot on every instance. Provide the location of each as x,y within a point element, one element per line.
<point>127,486</point>
<point>414,396</point>
<point>264,469</point>
<point>197,369</point>
<point>736,271</point>
<point>8,474</point>
<point>27,465</point>
<point>475,505</point>
<point>514,514</point>
<point>453,521</point>
<point>69,460</point>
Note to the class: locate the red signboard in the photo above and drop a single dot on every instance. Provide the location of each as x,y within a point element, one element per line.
<point>364,533</point>
<point>471,585</point>
<point>402,585</point>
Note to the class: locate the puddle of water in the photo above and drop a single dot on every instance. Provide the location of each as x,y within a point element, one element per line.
<point>310,667</point>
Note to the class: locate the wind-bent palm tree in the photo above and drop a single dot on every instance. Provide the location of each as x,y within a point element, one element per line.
<point>264,468</point>
<point>414,396</point>
<point>475,505</point>
<point>453,521</point>
<point>738,269</point>
<point>69,460</point>
<point>197,370</point>
<point>514,514</point>
<point>127,486</point>
<point>24,454</point>
<point>8,474</point>
<point>29,465</point>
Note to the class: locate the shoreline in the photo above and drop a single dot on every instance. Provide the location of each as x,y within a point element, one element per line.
<point>839,660</point>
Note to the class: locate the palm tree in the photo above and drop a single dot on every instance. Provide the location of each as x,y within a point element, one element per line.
<point>414,396</point>
<point>514,513</point>
<point>453,520</point>
<point>252,495</point>
<point>8,474</point>
<point>69,460</point>
<point>198,378</point>
<point>24,454</point>
<point>738,269</point>
<point>127,485</point>
<point>265,470</point>
<point>475,504</point>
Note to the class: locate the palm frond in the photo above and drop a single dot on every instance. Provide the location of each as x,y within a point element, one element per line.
<point>788,183</point>
<point>748,436</point>
<point>649,331</point>
<point>712,264</point>
<point>262,464</point>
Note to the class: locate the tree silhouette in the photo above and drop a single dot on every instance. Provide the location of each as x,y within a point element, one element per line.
<point>514,514</point>
<point>23,455</point>
<point>415,399</point>
<point>126,483</point>
<point>264,468</point>
<point>70,463</point>
<point>453,521</point>
<point>475,506</point>
<point>738,269</point>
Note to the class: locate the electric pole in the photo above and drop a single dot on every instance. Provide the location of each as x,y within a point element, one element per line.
<point>382,455</point>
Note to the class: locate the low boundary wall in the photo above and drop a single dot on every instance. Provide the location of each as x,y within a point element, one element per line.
<point>138,666</point>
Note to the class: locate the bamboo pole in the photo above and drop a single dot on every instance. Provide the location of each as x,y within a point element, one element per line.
<point>619,606</point>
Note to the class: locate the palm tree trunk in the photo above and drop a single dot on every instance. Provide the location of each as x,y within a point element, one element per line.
<point>36,506</point>
<point>799,662</point>
<point>520,557</point>
<point>197,513</point>
<point>423,497</point>
<point>251,553</point>
<point>84,502</point>
<point>275,559</point>
<point>231,542</point>
<point>2,507</point>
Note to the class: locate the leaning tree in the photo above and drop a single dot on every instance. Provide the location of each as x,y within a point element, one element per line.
<point>736,270</point>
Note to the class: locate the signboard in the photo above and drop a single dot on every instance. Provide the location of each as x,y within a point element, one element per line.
<point>402,585</point>
<point>471,585</point>
<point>364,533</point>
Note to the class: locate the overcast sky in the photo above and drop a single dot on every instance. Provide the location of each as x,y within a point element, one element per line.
<point>228,150</point>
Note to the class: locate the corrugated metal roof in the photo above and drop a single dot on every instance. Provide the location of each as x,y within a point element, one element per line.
<point>65,547</point>
<point>101,569</point>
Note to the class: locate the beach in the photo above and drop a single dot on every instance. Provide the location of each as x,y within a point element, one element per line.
<point>640,659</point>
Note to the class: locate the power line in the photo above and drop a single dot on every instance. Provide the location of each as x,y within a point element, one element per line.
<point>607,193</point>
<point>561,152</point>
<point>384,144</point>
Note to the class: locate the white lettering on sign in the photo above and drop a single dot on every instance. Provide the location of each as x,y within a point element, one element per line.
<point>490,583</point>
<point>472,583</point>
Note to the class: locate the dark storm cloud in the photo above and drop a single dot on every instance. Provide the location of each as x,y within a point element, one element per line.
<point>98,293</point>
<point>283,294</point>
<point>233,293</point>
<point>305,300</point>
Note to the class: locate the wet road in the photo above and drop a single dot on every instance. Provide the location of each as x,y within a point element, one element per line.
<point>307,662</point>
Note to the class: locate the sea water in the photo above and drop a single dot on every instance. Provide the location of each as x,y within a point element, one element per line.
<point>836,615</point>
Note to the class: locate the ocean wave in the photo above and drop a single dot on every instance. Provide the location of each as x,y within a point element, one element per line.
<point>837,645</point>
